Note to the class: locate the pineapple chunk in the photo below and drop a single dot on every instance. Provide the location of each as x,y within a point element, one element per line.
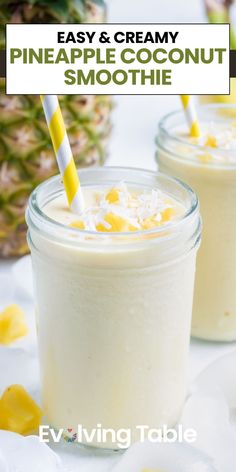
<point>211,141</point>
<point>77,224</point>
<point>113,196</point>
<point>167,214</point>
<point>12,324</point>
<point>18,411</point>
<point>117,224</point>
<point>149,223</point>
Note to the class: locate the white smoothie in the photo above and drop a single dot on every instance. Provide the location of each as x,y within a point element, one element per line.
<point>208,165</point>
<point>114,301</point>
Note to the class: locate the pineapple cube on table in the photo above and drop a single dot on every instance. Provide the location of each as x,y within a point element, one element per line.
<point>26,154</point>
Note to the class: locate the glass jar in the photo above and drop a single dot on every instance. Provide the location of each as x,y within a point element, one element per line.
<point>114,311</point>
<point>214,181</point>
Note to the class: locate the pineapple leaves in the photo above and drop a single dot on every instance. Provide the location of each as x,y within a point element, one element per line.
<point>60,7</point>
<point>100,3</point>
<point>79,8</point>
<point>63,4</point>
<point>50,11</point>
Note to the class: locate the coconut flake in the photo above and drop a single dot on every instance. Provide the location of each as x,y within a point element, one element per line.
<point>132,206</point>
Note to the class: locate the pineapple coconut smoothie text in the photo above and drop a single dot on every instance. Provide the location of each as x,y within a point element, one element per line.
<point>117,58</point>
<point>132,65</point>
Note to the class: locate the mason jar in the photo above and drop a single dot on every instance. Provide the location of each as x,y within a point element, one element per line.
<point>214,181</point>
<point>113,311</point>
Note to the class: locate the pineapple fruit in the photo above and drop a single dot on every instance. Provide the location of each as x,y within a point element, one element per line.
<point>18,411</point>
<point>26,154</point>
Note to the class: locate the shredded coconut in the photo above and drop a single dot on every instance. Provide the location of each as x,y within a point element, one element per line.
<point>222,135</point>
<point>138,209</point>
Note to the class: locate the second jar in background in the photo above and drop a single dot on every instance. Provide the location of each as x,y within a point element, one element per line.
<point>211,171</point>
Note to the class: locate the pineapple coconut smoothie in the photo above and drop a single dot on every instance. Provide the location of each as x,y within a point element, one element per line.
<point>114,289</point>
<point>208,165</point>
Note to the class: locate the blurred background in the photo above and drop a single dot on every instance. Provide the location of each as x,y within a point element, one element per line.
<point>136,117</point>
<point>156,11</point>
<point>117,130</point>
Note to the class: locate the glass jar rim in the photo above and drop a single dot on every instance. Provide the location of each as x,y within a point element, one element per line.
<point>37,219</point>
<point>168,135</point>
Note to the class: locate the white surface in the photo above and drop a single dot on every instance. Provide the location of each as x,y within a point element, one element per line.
<point>210,410</point>
<point>165,457</point>
<point>135,124</point>
<point>27,454</point>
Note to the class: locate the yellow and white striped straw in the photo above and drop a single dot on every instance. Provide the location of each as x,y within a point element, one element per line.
<point>63,152</point>
<point>191,115</point>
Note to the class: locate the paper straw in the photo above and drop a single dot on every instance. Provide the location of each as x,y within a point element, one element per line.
<point>191,115</point>
<point>63,152</point>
